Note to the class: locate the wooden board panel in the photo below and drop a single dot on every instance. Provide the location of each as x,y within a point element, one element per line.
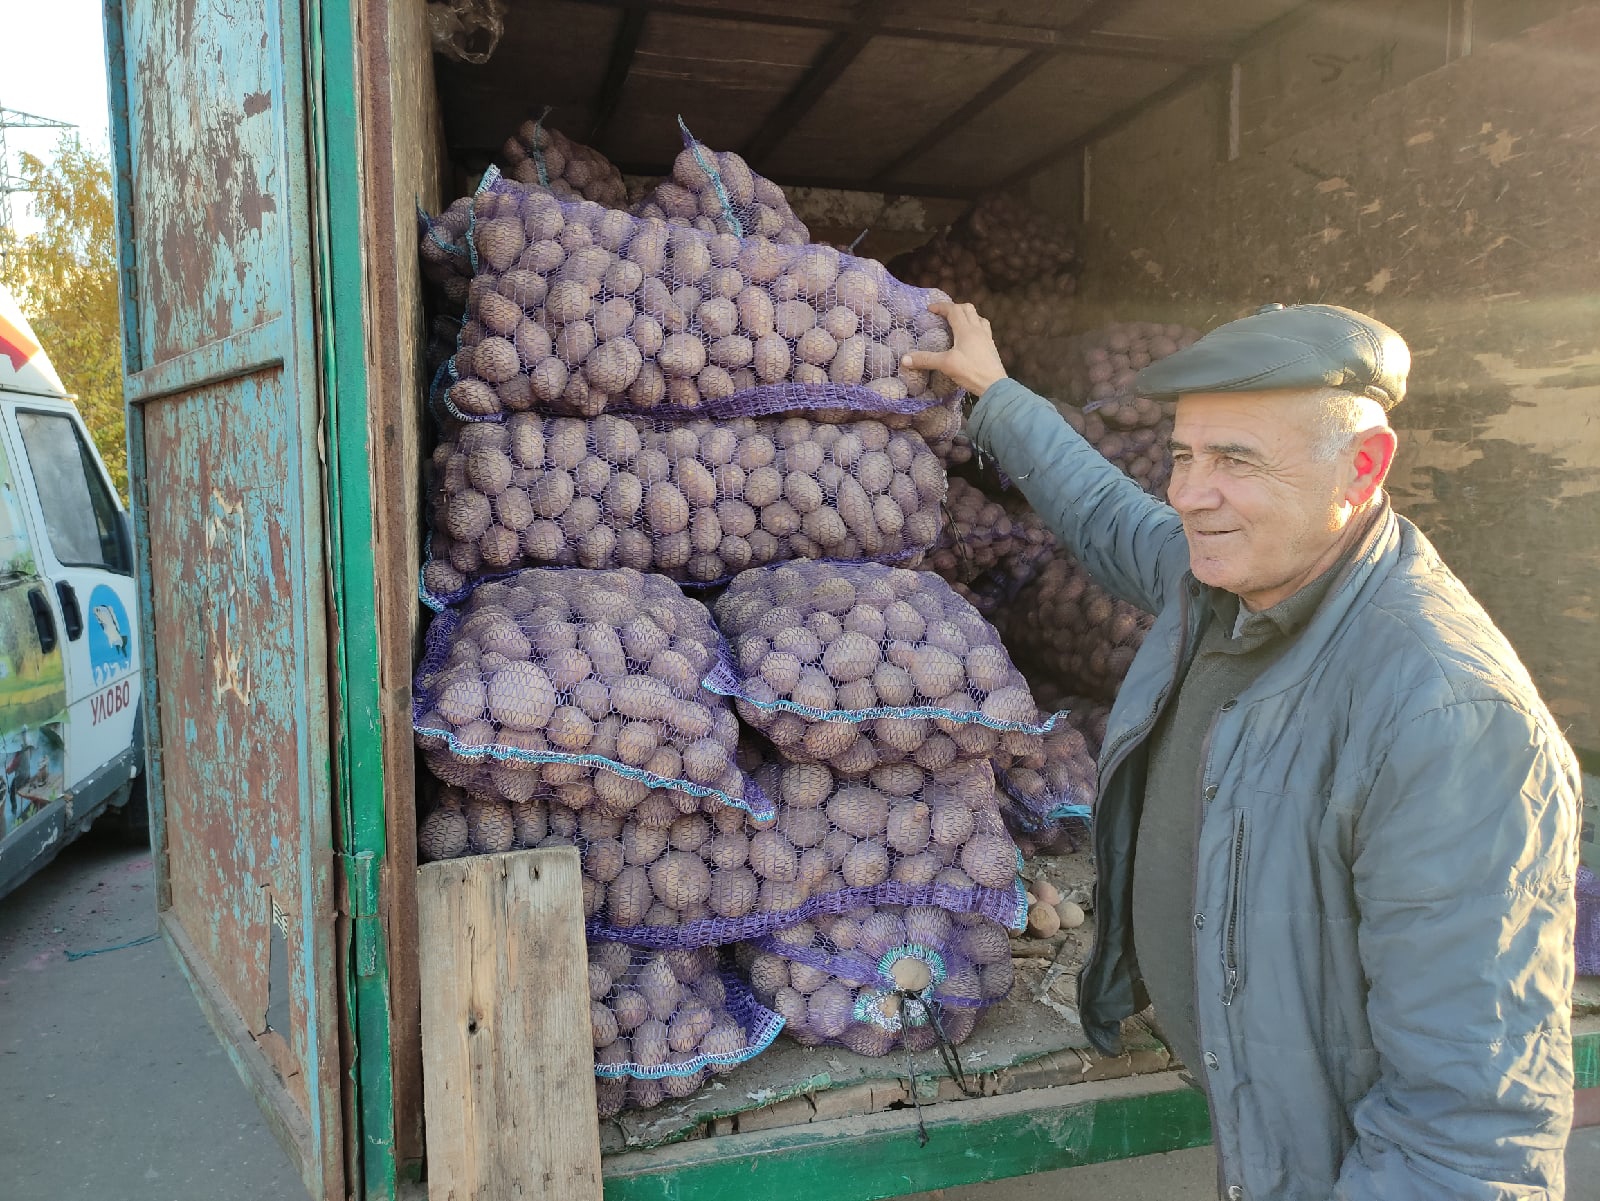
<point>508,1067</point>
<point>1451,208</point>
<point>898,87</point>
<point>1048,13</point>
<point>722,77</point>
<point>1336,59</point>
<point>1064,98</point>
<point>1209,22</point>
<point>404,166</point>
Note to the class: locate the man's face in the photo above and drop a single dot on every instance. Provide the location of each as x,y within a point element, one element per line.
<point>1263,516</point>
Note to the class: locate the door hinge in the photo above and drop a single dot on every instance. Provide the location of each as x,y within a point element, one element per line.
<point>362,873</point>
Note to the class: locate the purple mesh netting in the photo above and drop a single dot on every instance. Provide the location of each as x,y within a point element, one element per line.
<point>656,876</point>
<point>697,501</point>
<point>718,193</point>
<point>669,1018</point>
<point>443,251</point>
<point>1056,779</point>
<point>876,978</point>
<point>586,670</point>
<point>577,309</point>
<point>857,666</point>
<point>1588,940</point>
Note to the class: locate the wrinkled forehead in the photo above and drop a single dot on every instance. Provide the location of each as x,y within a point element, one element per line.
<point>1281,418</point>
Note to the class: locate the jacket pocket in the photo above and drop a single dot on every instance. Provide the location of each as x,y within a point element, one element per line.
<point>1233,929</point>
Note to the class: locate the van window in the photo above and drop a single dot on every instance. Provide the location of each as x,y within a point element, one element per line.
<point>16,547</point>
<point>80,518</point>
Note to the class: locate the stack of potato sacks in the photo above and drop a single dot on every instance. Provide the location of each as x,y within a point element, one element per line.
<point>692,396</point>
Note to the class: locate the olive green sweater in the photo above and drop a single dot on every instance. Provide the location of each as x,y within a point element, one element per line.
<point>1163,880</point>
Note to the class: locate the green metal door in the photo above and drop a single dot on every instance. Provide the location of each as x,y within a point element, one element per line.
<point>246,411</point>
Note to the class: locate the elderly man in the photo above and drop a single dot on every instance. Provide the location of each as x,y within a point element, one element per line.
<point>1337,828</point>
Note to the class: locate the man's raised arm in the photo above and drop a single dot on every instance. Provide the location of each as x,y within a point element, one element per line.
<point>1130,542</point>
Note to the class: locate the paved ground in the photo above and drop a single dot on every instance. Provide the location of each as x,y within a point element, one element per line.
<point>115,1089</point>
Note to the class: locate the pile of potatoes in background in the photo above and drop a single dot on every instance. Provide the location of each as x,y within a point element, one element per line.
<point>1073,635</point>
<point>990,548</point>
<point>547,158</point>
<point>698,501</point>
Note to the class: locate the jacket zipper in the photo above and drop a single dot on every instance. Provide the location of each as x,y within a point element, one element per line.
<point>1230,947</point>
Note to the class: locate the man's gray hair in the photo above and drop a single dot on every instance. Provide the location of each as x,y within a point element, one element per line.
<point>1338,417</point>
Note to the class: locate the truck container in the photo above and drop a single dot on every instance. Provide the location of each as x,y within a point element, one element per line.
<point>1428,161</point>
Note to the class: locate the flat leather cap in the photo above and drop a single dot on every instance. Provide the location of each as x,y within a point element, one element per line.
<point>1294,346</point>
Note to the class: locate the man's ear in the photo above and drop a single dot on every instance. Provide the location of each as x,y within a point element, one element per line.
<point>1372,458</point>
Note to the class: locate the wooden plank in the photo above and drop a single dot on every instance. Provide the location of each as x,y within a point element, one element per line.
<point>405,166</point>
<point>623,48</point>
<point>832,63</point>
<point>998,87</point>
<point>962,31</point>
<point>1261,37</point>
<point>884,1155</point>
<point>508,1067</point>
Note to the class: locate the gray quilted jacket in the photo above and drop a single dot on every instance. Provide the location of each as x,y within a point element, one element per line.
<point>1383,918</point>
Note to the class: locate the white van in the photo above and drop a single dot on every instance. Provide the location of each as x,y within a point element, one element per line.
<point>71,729</point>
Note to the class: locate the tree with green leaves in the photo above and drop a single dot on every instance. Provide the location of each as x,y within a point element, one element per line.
<point>65,278</point>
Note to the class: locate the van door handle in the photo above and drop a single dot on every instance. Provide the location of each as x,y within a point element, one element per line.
<point>71,612</point>
<point>43,621</point>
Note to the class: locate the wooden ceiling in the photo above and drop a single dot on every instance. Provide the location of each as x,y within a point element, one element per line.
<point>918,97</point>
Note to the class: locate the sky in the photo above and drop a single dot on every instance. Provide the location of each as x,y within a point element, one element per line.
<point>52,64</point>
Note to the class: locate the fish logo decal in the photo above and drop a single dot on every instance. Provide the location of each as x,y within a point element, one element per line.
<point>110,636</point>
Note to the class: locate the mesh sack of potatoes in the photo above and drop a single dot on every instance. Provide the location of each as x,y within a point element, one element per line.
<point>860,665</point>
<point>1103,363</point>
<point>698,501</point>
<point>1001,542</point>
<point>716,191</point>
<point>1015,244</point>
<point>654,875</point>
<point>1070,630</point>
<point>1046,796</point>
<point>666,1021</point>
<point>1032,328</point>
<point>945,264</point>
<point>443,252</point>
<point>1143,453</point>
<point>546,158</point>
<point>881,978</point>
<point>591,669</point>
<point>578,309</point>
